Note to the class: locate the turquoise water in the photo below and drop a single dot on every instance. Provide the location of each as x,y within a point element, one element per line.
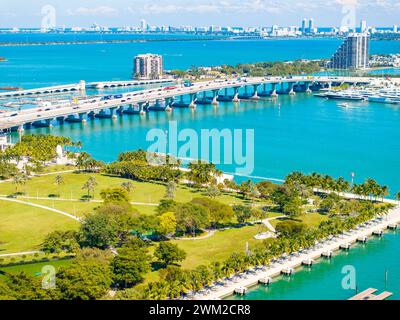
<point>34,66</point>
<point>324,280</point>
<point>293,133</point>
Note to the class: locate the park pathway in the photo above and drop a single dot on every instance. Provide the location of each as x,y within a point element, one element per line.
<point>18,254</point>
<point>41,207</point>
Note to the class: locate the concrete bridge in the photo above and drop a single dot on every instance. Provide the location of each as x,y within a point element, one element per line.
<point>166,98</point>
<point>81,86</point>
<point>129,83</point>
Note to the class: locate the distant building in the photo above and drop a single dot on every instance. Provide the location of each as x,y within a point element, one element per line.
<point>311,25</point>
<point>395,28</point>
<point>304,26</point>
<point>363,26</point>
<point>148,66</point>
<point>143,25</point>
<point>353,53</point>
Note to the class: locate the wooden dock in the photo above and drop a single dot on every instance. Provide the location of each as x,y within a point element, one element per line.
<point>369,294</point>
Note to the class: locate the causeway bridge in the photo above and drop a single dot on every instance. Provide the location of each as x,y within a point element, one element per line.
<point>81,86</point>
<point>167,98</point>
<point>129,83</point>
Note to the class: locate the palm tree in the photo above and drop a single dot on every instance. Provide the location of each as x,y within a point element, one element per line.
<point>19,179</point>
<point>128,186</point>
<point>398,196</point>
<point>171,190</point>
<point>213,192</point>
<point>59,180</point>
<point>90,185</point>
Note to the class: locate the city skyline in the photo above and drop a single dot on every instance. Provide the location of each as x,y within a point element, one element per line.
<point>199,12</point>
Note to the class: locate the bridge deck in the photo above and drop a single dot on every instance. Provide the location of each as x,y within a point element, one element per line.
<point>91,104</point>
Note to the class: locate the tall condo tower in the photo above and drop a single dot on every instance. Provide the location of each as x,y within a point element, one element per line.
<point>311,25</point>
<point>304,26</point>
<point>353,53</point>
<point>363,26</point>
<point>148,66</point>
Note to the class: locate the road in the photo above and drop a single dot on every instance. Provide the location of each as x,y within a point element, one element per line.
<point>14,119</point>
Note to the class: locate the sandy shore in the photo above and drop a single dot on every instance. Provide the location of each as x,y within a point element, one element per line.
<point>295,260</point>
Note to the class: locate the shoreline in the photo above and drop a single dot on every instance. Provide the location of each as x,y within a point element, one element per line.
<point>275,269</point>
<point>84,42</point>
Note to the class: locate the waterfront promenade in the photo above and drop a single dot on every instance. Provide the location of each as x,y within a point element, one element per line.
<point>295,260</point>
<point>141,101</point>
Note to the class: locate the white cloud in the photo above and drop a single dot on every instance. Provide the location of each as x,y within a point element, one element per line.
<point>96,11</point>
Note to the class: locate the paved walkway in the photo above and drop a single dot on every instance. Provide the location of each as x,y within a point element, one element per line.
<point>18,254</point>
<point>41,207</point>
<point>78,200</point>
<point>209,234</point>
<point>269,225</point>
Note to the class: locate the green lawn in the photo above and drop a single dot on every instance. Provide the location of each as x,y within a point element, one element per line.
<point>72,189</point>
<point>35,268</point>
<point>312,219</point>
<point>219,246</point>
<point>23,228</point>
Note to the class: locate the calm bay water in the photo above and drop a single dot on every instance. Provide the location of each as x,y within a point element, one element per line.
<point>324,280</point>
<point>33,66</point>
<point>292,133</point>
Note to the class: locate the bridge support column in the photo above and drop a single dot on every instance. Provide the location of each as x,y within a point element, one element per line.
<point>273,92</point>
<point>120,110</point>
<point>291,90</point>
<point>308,85</point>
<point>215,97</point>
<point>168,103</point>
<point>255,94</point>
<point>60,120</point>
<point>193,98</point>
<point>82,117</point>
<point>48,123</point>
<point>236,95</point>
<point>113,113</point>
<point>141,108</point>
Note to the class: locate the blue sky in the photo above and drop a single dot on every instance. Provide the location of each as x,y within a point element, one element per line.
<point>27,13</point>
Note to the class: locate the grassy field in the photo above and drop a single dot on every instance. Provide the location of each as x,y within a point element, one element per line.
<point>143,192</point>
<point>312,219</point>
<point>23,228</point>
<point>35,268</point>
<point>219,246</point>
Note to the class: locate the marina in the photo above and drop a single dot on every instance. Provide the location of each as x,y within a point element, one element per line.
<point>288,265</point>
<point>380,94</point>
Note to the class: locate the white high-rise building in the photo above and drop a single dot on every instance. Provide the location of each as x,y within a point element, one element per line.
<point>353,53</point>
<point>143,25</point>
<point>148,66</point>
<point>311,25</point>
<point>395,28</point>
<point>363,26</point>
<point>304,26</point>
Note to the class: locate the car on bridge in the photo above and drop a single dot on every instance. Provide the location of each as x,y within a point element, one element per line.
<point>169,88</point>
